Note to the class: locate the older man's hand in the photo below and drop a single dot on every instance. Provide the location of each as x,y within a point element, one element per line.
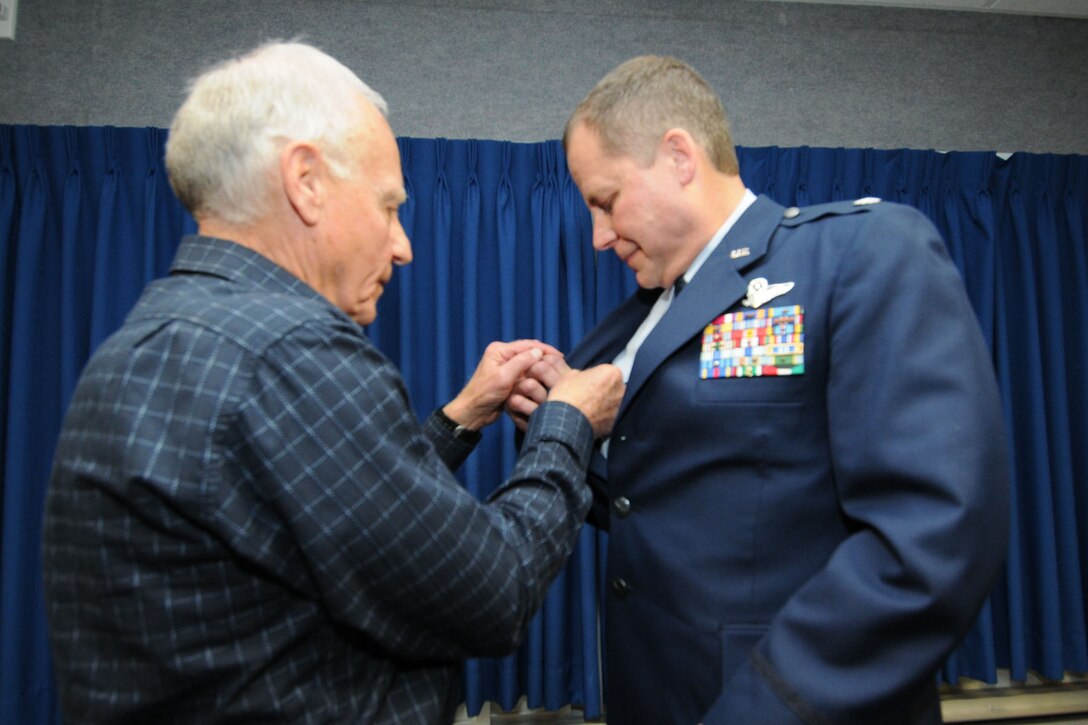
<point>532,390</point>
<point>596,391</point>
<point>503,366</point>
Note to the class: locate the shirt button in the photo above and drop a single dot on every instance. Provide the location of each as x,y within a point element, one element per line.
<point>619,586</point>
<point>622,506</point>
<point>791,212</point>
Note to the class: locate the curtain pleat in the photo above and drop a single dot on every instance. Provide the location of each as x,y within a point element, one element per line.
<point>965,214</point>
<point>510,289</point>
<point>1074,222</point>
<point>470,289</point>
<point>8,245</point>
<point>580,282</point>
<point>476,671</point>
<point>444,305</point>
<point>33,408</point>
<point>502,249</point>
<point>74,257</point>
<point>549,672</point>
<point>1046,367</point>
<point>109,303</point>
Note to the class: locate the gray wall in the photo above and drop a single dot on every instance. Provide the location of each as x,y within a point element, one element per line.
<point>790,74</point>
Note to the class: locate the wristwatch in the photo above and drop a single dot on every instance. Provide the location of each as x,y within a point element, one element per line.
<point>459,431</point>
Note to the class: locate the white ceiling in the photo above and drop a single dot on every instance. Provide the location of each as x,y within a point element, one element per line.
<point>1057,8</point>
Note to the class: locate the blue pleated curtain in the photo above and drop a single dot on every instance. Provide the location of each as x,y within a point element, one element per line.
<point>501,241</point>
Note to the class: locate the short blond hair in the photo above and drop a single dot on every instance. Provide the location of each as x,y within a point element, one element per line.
<point>637,102</point>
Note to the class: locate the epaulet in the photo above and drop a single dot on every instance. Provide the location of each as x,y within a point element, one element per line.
<point>795,216</point>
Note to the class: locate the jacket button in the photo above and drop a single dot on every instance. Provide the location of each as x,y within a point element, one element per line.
<point>619,586</point>
<point>622,506</point>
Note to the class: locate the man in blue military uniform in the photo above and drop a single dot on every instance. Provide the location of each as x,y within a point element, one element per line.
<point>806,484</point>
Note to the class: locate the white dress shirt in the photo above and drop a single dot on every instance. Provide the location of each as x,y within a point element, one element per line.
<point>626,359</point>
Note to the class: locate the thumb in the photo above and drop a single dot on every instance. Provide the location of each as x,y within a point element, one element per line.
<point>518,365</point>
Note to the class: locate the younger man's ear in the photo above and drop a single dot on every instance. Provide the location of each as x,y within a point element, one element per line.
<point>679,148</point>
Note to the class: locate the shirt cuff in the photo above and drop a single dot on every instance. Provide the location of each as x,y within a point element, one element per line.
<point>452,449</point>
<point>561,423</point>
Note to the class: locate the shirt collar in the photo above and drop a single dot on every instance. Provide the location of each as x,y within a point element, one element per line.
<point>236,263</point>
<point>746,201</point>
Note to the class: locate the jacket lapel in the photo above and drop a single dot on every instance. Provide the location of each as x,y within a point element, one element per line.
<point>717,286</point>
<point>610,335</point>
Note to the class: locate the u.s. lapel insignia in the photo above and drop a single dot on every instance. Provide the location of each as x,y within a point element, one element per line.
<point>739,252</point>
<point>760,293</point>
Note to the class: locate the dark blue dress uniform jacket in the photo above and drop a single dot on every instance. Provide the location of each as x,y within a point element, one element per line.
<point>803,548</point>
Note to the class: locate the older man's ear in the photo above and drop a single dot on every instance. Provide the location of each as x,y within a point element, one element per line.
<point>303,175</point>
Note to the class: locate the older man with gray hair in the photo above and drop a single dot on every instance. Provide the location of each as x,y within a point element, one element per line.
<point>245,522</point>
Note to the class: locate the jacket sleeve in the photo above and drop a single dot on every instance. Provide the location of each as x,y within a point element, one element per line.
<point>921,473</point>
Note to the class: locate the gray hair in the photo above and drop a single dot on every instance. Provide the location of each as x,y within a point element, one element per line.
<point>226,137</point>
<point>642,98</point>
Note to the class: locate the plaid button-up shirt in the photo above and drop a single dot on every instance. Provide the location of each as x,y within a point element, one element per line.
<point>246,522</point>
